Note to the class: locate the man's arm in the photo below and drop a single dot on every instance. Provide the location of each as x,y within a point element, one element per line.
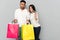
<point>15,17</point>
<point>28,18</point>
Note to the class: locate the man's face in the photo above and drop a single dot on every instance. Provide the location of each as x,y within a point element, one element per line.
<point>22,5</point>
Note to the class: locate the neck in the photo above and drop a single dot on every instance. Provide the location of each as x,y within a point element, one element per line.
<point>22,8</point>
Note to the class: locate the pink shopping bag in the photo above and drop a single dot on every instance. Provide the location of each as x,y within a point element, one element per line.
<point>12,31</point>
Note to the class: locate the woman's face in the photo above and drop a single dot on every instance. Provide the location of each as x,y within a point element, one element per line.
<point>31,9</point>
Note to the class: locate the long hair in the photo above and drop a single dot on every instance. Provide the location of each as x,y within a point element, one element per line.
<point>33,7</point>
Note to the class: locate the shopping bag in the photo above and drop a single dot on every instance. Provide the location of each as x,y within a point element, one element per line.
<point>27,32</point>
<point>12,31</point>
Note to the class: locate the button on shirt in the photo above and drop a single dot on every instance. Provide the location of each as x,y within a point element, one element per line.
<point>21,16</point>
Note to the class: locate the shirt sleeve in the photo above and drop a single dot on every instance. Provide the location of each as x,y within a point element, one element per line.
<point>15,15</point>
<point>36,16</point>
<point>28,15</point>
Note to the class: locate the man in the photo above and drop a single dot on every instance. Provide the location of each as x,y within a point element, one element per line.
<point>21,16</point>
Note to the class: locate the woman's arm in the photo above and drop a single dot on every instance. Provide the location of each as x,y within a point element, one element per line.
<point>36,16</point>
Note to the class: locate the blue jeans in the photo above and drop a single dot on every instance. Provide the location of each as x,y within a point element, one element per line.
<point>37,32</point>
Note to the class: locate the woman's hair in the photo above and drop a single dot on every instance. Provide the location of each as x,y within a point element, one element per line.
<point>33,7</point>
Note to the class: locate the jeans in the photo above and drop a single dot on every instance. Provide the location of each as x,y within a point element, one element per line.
<point>19,35</point>
<point>37,32</point>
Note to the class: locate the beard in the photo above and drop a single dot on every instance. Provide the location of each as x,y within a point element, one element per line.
<point>22,7</point>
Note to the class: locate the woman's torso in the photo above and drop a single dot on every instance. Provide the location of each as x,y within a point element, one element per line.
<point>33,21</point>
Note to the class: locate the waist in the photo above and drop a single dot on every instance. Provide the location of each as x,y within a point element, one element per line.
<point>35,24</point>
<point>21,23</point>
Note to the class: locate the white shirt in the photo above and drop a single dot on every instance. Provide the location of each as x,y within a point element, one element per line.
<point>21,16</point>
<point>33,21</point>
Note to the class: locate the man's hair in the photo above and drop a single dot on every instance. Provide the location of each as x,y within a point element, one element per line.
<point>23,1</point>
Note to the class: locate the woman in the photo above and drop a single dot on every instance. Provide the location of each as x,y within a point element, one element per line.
<point>34,21</point>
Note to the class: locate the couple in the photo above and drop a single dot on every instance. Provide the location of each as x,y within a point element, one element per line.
<point>23,16</point>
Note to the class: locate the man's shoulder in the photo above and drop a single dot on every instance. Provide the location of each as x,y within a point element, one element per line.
<point>17,9</point>
<point>26,10</point>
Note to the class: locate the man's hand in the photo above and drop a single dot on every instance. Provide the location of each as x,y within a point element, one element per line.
<point>27,22</point>
<point>15,20</point>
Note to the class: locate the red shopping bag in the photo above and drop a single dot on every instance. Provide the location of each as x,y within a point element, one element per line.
<point>12,31</point>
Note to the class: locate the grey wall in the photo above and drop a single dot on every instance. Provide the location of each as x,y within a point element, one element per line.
<point>49,15</point>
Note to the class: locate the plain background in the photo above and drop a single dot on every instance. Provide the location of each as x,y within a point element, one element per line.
<point>49,15</point>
